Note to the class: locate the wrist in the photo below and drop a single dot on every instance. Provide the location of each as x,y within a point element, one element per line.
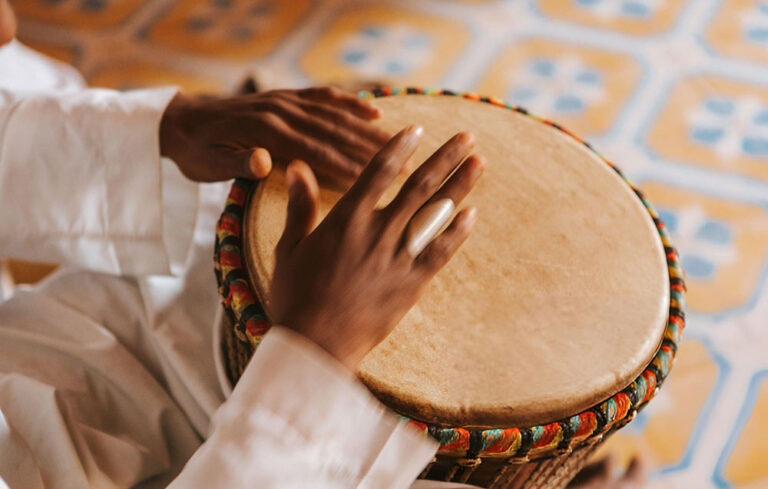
<point>171,134</point>
<point>337,344</point>
<point>344,352</point>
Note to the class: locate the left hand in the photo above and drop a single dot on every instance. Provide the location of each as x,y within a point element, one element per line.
<point>222,138</point>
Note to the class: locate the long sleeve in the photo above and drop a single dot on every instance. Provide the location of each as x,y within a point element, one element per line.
<point>84,403</point>
<point>105,380</point>
<point>82,181</point>
<point>297,419</point>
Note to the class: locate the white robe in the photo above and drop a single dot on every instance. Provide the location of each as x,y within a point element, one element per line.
<point>107,376</point>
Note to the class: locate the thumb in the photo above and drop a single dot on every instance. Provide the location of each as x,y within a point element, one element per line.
<point>257,164</point>
<point>303,206</point>
<point>251,163</point>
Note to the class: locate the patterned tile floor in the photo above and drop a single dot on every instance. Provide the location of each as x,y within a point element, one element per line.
<point>674,91</point>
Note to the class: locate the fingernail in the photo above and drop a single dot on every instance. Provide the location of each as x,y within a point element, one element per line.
<point>260,163</point>
<point>412,137</point>
<point>481,162</point>
<point>415,131</point>
<point>471,216</point>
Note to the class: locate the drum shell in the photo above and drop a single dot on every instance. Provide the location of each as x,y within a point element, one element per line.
<point>551,472</point>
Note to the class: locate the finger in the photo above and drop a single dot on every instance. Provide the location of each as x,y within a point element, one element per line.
<point>462,180</point>
<point>383,168</point>
<point>459,184</point>
<point>342,118</point>
<point>326,160</point>
<point>442,248</point>
<point>259,163</point>
<point>347,139</point>
<point>426,224</point>
<point>427,179</point>
<point>303,206</point>
<point>348,100</point>
<point>247,163</point>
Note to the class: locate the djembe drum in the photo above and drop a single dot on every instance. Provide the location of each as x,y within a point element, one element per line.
<point>551,327</point>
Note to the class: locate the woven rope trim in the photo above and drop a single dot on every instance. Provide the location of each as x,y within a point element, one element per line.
<point>251,324</point>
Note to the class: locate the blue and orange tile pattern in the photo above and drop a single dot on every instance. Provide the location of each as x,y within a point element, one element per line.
<point>674,91</point>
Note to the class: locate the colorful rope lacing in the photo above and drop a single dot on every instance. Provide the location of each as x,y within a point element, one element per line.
<point>251,324</point>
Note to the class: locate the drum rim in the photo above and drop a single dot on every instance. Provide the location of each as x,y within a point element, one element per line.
<point>521,443</point>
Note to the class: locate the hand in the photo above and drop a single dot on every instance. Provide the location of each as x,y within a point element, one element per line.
<point>348,282</point>
<point>218,139</point>
<point>7,23</point>
<point>601,475</point>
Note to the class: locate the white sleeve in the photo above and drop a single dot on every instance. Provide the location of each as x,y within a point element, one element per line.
<point>83,405</point>
<point>82,181</point>
<point>298,419</point>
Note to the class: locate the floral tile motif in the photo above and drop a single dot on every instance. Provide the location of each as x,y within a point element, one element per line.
<point>127,76</point>
<point>662,431</point>
<point>77,13</point>
<point>228,28</point>
<point>393,45</point>
<point>707,241</point>
<point>391,51</point>
<point>731,126</point>
<point>582,88</point>
<point>723,245</point>
<point>740,30</point>
<point>715,123</point>
<point>641,17</point>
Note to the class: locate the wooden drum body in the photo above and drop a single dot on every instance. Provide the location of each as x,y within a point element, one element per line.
<point>555,322</point>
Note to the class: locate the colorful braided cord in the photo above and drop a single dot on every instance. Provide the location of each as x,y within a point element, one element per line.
<point>251,324</point>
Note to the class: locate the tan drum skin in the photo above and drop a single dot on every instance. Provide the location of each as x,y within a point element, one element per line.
<point>558,300</point>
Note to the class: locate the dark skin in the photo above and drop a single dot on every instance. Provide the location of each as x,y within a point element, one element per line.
<point>214,139</point>
<point>7,22</point>
<point>352,274</point>
<point>352,270</point>
<point>219,138</point>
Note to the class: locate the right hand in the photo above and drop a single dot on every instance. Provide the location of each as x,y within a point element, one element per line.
<point>346,283</point>
<point>7,23</point>
<point>214,139</point>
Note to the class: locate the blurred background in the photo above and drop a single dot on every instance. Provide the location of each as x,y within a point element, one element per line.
<point>675,92</point>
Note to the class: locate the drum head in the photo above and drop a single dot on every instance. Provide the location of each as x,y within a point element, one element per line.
<point>558,299</point>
